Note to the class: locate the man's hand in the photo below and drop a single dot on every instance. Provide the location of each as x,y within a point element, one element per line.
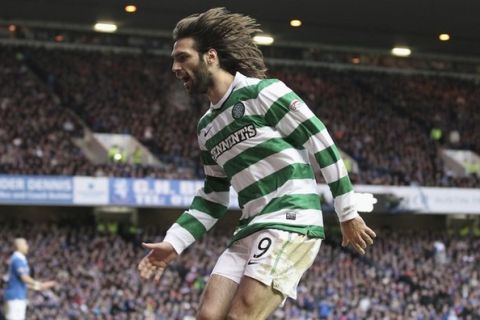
<point>47,285</point>
<point>155,262</point>
<point>357,233</point>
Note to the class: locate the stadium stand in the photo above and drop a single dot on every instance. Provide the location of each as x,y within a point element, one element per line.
<point>35,130</point>
<point>407,275</point>
<point>136,94</point>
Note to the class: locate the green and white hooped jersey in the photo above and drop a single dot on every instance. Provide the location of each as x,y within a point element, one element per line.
<point>257,139</point>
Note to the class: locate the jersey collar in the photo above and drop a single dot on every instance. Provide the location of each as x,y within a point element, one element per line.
<point>236,81</point>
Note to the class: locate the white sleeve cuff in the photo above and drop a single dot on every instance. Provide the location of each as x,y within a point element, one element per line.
<point>345,206</point>
<point>179,238</point>
<point>351,215</point>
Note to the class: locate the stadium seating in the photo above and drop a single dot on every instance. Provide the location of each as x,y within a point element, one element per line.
<point>404,276</point>
<point>382,120</point>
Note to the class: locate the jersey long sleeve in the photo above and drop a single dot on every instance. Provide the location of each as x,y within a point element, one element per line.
<point>209,205</point>
<point>300,127</point>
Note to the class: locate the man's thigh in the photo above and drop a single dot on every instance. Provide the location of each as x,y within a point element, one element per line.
<point>223,283</point>
<point>276,262</point>
<point>254,300</point>
<point>216,298</point>
<point>265,266</point>
<point>279,259</point>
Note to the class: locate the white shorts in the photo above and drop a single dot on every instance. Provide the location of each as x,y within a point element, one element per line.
<point>15,309</point>
<point>276,258</point>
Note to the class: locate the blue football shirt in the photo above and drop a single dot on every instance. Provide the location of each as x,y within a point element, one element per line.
<point>16,288</point>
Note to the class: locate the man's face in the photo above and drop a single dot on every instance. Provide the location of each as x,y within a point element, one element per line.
<point>22,246</point>
<point>190,67</point>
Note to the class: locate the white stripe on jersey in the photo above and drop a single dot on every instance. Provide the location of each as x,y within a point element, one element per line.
<point>267,166</point>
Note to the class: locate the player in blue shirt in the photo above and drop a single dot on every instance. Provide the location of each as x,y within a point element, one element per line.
<point>18,281</point>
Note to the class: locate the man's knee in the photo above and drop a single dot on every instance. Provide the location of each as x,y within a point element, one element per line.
<point>206,313</point>
<point>232,316</point>
<point>243,307</point>
<point>236,315</point>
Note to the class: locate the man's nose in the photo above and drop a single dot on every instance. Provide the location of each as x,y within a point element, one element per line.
<point>175,67</point>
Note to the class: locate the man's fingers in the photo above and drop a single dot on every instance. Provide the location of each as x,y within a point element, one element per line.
<point>158,274</point>
<point>366,237</point>
<point>359,249</point>
<point>150,246</point>
<point>145,268</point>
<point>147,272</point>
<point>360,242</point>
<point>142,264</point>
<point>370,232</point>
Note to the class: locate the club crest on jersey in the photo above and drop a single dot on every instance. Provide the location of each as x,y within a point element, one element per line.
<point>238,110</point>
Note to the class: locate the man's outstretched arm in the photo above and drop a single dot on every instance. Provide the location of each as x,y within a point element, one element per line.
<point>209,205</point>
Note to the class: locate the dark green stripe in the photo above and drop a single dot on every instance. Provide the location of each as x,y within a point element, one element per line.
<point>216,184</point>
<point>244,222</point>
<point>213,209</point>
<point>280,107</point>
<point>242,94</point>
<point>257,121</point>
<point>207,158</point>
<point>310,231</point>
<point>305,130</point>
<point>328,156</point>
<point>341,186</point>
<point>294,201</point>
<point>195,227</point>
<point>274,181</point>
<point>206,119</point>
<point>254,154</point>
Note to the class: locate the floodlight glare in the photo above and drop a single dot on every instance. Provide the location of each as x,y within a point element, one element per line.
<point>263,39</point>
<point>105,27</point>
<point>130,8</point>
<point>401,51</point>
<point>444,37</point>
<point>295,23</point>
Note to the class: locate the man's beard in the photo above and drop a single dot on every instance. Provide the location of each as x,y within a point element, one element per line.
<point>201,81</point>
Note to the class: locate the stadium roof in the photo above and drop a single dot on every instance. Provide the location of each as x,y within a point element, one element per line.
<point>358,23</point>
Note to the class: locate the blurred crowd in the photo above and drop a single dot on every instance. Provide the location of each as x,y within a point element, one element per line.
<point>383,121</point>
<point>37,130</point>
<point>405,275</point>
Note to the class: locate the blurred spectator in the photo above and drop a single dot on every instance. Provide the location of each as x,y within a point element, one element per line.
<point>398,279</point>
<point>383,121</point>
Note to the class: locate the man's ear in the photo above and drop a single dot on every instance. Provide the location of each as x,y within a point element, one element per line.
<point>211,57</point>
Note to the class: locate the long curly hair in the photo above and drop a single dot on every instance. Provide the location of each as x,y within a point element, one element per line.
<point>230,34</point>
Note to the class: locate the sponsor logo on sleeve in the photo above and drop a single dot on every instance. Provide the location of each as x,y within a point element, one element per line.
<point>295,105</point>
